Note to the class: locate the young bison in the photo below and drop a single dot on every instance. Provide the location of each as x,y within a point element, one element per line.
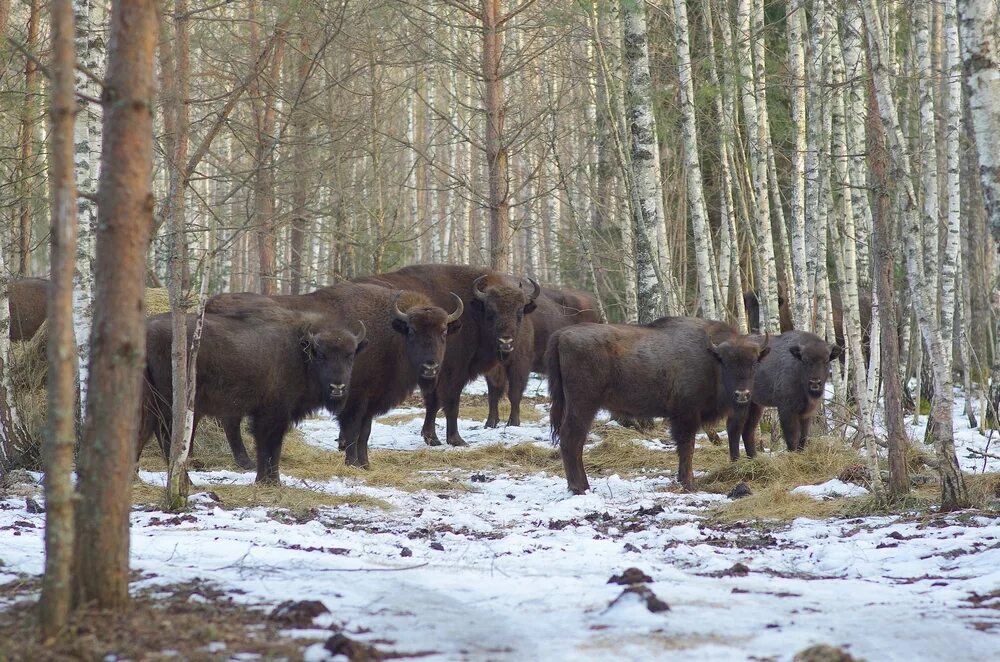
<point>792,378</point>
<point>688,370</point>
<point>272,365</point>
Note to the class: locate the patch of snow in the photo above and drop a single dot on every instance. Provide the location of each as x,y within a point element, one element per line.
<point>830,489</point>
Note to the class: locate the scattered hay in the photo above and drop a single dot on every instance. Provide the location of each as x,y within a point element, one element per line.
<point>984,490</point>
<point>294,498</point>
<point>777,503</point>
<point>822,460</point>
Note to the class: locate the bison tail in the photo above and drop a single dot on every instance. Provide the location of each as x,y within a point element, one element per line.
<point>556,395</point>
<point>147,413</point>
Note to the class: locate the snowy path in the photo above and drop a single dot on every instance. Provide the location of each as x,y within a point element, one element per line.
<point>517,569</point>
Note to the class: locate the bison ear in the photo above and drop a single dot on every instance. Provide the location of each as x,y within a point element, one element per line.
<point>529,307</point>
<point>836,351</point>
<point>399,326</point>
<point>454,327</point>
<point>714,350</point>
<point>795,351</point>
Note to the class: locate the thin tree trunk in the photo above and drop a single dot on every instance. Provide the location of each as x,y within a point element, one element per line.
<point>60,431</point>
<point>953,131</point>
<point>300,163</point>
<point>118,340</point>
<point>27,142</point>
<point>642,123</point>
<point>953,492</point>
<point>707,268</point>
<point>496,148</point>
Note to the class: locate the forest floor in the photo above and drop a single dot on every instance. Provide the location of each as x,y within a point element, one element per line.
<point>481,553</point>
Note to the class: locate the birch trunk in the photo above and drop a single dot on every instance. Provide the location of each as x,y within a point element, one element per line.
<point>795,21</point>
<point>855,116</point>
<point>496,148</point>
<point>27,143</point>
<point>60,431</point>
<point>953,131</point>
<point>927,84</point>
<point>707,268</point>
<point>646,212</point>
<point>953,492</point>
<point>763,249</point>
<point>980,27</point>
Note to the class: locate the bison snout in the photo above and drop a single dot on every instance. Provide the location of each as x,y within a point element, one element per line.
<point>429,370</point>
<point>505,345</point>
<point>338,390</point>
<point>742,397</point>
<point>815,386</point>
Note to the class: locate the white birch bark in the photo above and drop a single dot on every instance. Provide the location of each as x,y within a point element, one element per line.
<point>795,22</point>
<point>980,30</point>
<point>953,131</point>
<point>954,493</point>
<point>855,116</point>
<point>814,192</point>
<point>927,84</point>
<point>763,249</point>
<point>412,188</point>
<point>647,211</point>
<point>705,264</point>
<point>87,139</point>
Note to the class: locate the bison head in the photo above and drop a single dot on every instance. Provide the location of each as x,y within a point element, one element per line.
<point>502,308</point>
<point>815,358</point>
<point>739,358</point>
<point>329,361</point>
<point>426,328</point>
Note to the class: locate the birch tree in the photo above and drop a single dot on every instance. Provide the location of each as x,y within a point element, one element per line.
<point>953,491</point>
<point>60,432</point>
<point>794,22</point>
<point>646,212</point>
<point>707,268</point>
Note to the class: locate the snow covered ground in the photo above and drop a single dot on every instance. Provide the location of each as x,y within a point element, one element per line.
<point>517,569</point>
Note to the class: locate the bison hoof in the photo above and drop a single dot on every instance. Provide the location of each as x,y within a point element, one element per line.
<point>491,422</point>
<point>358,464</point>
<point>456,441</point>
<point>432,441</point>
<point>577,491</point>
<point>516,422</point>
<point>244,462</point>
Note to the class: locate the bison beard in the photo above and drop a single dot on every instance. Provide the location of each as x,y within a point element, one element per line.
<point>556,309</point>
<point>274,366</point>
<point>792,378</point>
<point>687,370</point>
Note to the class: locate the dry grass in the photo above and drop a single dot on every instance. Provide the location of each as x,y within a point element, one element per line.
<point>777,503</point>
<point>158,620</point>
<point>293,498</point>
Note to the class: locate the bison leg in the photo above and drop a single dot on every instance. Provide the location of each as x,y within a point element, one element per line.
<point>429,431</point>
<point>495,379</point>
<point>268,433</point>
<point>683,433</point>
<point>517,381</point>
<point>754,413</point>
<point>734,430</point>
<point>362,442</point>
<point>791,426</point>
<point>804,423</point>
<point>231,426</point>
<point>451,419</point>
<point>572,437</point>
<point>350,427</point>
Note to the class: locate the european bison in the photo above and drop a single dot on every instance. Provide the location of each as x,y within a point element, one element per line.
<point>273,365</point>
<point>688,370</point>
<point>792,378</point>
<point>556,309</point>
<point>406,347</point>
<point>27,300</point>
<point>495,306</point>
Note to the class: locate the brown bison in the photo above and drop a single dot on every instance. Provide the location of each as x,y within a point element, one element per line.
<point>273,365</point>
<point>752,305</point>
<point>556,309</point>
<point>406,347</point>
<point>495,306</point>
<point>792,378</point>
<point>27,300</point>
<point>688,370</point>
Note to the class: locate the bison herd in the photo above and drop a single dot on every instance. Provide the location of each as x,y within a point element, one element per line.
<point>359,348</point>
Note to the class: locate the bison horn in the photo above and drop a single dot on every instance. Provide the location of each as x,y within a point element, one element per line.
<point>475,288</point>
<point>361,336</point>
<point>400,315</point>
<point>767,339</point>
<point>536,291</point>
<point>459,308</point>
